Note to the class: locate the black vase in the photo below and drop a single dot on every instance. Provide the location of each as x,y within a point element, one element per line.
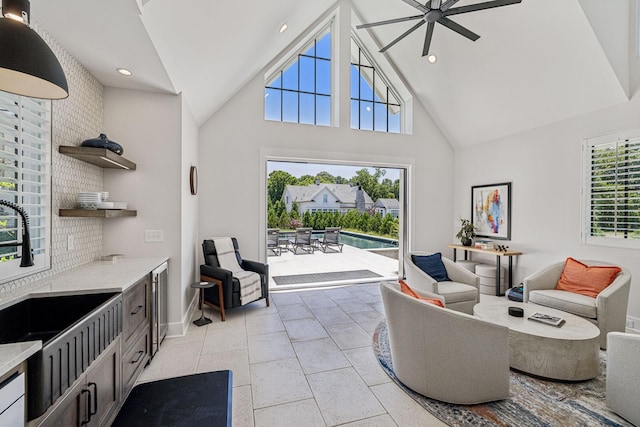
<point>103,142</point>
<point>466,241</point>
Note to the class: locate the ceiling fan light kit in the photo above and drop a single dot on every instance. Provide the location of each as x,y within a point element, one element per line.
<point>437,11</point>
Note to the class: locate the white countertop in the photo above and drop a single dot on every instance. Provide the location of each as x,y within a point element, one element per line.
<point>94,277</point>
<point>11,355</point>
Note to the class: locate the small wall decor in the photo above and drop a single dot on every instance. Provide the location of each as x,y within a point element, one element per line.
<point>193,180</point>
<point>491,210</point>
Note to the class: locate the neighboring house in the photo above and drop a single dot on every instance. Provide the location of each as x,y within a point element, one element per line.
<point>387,206</point>
<point>324,198</point>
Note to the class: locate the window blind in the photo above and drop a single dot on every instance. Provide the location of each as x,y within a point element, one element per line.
<point>614,189</point>
<point>25,179</point>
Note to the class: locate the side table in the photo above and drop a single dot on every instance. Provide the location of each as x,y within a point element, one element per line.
<point>202,286</point>
<point>509,254</point>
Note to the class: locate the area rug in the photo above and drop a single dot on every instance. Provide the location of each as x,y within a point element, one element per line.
<point>533,401</point>
<point>333,276</point>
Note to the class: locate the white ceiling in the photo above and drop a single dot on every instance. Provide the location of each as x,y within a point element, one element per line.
<point>535,63</point>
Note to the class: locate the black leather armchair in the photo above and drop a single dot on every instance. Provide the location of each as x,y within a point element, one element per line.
<point>228,286</point>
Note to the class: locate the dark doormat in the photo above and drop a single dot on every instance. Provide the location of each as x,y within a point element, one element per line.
<point>333,276</point>
<point>192,400</point>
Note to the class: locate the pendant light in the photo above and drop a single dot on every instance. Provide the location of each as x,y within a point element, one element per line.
<point>28,67</point>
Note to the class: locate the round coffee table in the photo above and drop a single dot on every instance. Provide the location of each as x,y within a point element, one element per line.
<point>569,352</point>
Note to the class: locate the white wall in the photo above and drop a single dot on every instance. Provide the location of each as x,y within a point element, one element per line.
<point>236,140</point>
<point>189,215</point>
<point>148,126</point>
<point>544,166</point>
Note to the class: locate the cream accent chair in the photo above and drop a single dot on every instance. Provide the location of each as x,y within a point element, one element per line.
<point>444,354</point>
<point>608,311</point>
<point>623,375</point>
<point>460,294</point>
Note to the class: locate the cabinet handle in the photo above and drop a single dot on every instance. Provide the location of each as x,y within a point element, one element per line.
<point>140,353</point>
<point>95,400</point>
<point>138,308</point>
<point>88,406</point>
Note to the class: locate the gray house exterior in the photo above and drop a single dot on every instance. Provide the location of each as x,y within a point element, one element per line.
<point>388,206</point>
<point>324,198</point>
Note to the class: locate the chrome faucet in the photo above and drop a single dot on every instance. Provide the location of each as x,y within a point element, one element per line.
<point>27,255</point>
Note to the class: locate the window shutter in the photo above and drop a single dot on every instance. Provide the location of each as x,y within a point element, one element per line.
<point>25,176</point>
<point>614,189</point>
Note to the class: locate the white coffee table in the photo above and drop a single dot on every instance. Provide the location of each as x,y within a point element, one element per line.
<point>569,352</point>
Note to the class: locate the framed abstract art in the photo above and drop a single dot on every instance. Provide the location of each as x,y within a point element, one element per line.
<point>491,210</point>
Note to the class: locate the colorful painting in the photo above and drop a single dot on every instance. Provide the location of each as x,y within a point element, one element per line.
<point>491,210</point>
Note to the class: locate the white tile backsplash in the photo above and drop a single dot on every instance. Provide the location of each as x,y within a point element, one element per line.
<point>73,120</point>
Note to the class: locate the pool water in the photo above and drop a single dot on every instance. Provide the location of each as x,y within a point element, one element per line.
<point>366,242</point>
<point>360,241</point>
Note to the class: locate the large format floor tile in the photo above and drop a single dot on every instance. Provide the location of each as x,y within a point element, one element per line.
<point>307,360</point>
<point>343,397</point>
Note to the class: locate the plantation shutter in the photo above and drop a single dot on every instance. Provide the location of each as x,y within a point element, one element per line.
<point>614,189</point>
<point>25,176</point>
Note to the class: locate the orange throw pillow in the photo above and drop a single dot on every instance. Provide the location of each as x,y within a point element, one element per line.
<point>583,279</point>
<point>406,289</point>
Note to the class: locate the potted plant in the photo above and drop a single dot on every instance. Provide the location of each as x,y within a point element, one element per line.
<point>467,232</point>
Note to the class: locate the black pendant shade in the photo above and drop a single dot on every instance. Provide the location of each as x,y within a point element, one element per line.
<point>28,67</point>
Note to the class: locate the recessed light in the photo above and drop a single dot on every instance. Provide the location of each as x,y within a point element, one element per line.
<point>432,58</point>
<point>284,27</point>
<point>124,71</point>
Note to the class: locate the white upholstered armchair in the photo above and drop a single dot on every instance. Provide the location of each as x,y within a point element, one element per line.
<point>460,294</point>
<point>435,351</point>
<point>608,311</point>
<point>623,375</point>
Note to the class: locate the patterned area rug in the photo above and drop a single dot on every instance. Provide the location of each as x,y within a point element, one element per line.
<point>533,401</point>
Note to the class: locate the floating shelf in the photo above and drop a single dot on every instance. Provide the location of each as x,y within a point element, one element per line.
<point>99,213</point>
<point>98,156</point>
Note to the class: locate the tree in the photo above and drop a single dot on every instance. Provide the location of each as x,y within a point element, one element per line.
<point>306,180</point>
<point>369,182</point>
<point>276,183</point>
<point>326,178</point>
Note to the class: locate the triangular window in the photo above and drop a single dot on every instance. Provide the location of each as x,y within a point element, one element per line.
<point>374,103</point>
<point>300,91</point>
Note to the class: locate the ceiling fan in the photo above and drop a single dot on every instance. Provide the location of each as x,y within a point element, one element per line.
<point>438,11</point>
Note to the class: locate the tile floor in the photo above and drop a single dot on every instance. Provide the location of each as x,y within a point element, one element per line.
<point>304,361</point>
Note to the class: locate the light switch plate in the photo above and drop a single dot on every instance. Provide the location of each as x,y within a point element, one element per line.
<point>153,236</point>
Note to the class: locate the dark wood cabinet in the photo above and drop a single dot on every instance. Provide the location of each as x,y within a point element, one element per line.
<point>94,398</point>
<point>136,332</point>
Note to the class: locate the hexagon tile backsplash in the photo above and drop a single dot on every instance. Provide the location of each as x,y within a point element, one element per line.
<point>73,120</point>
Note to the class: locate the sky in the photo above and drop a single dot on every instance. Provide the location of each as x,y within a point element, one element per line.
<point>299,169</point>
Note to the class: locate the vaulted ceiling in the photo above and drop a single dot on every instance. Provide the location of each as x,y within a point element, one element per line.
<point>536,63</point>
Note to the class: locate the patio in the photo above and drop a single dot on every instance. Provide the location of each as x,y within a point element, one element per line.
<point>351,259</point>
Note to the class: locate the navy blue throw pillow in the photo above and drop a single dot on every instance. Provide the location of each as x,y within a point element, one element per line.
<point>432,265</point>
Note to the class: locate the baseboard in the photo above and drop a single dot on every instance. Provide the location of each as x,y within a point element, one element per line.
<point>633,325</point>
<point>179,329</point>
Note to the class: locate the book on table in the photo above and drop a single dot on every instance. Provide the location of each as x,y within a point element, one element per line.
<point>547,319</point>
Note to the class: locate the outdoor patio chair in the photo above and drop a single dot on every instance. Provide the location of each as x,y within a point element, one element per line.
<point>273,241</point>
<point>331,238</point>
<point>302,240</point>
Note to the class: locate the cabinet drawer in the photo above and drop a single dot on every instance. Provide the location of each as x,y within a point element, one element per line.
<point>133,361</point>
<point>136,308</point>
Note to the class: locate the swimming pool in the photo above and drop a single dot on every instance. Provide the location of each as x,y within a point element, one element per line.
<point>360,241</point>
<point>363,241</point>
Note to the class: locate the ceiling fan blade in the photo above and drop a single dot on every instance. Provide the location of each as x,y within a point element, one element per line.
<point>390,21</point>
<point>480,6</point>
<point>403,35</point>
<point>446,5</point>
<point>422,8</point>
<point>427,38</point>
<point>458,28</point>
<point>435,4</point>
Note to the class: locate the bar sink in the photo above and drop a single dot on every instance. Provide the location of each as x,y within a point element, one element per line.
<point>74,330</point>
